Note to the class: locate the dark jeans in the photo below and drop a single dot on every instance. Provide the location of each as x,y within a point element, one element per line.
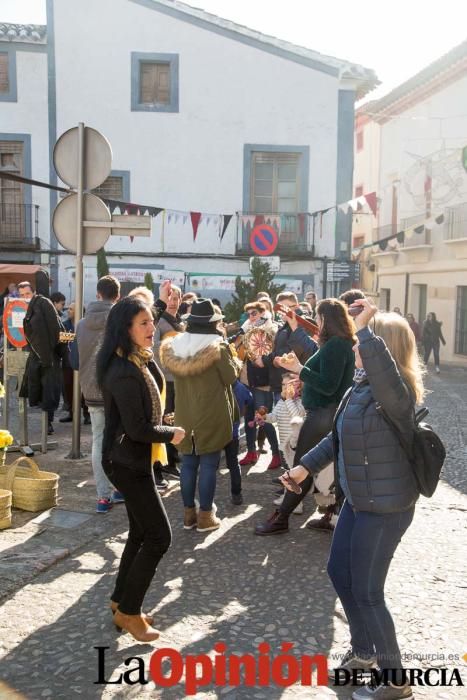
<point>149,537</point>
<point>207,465</point>
<point>172,452</point>
<point>231,459</point>
<point>261,398</point>
<point>427,353</point>
<point>317,424</point>
<point>362,549</point>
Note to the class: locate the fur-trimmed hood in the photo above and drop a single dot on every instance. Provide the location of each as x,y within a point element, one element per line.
<point>190,354</point>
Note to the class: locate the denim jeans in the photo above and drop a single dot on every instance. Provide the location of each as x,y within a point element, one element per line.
<point>103,485</point>
<point>361,552</point>
<point>427,352</point>
<point>231,459</point>
<point>149,537</point>
<point>207,465</point>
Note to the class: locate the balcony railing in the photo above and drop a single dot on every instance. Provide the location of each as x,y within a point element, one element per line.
<point>455,222</point>
<point>404,224</point>
<point>295,235</point>
<point>19,224</point>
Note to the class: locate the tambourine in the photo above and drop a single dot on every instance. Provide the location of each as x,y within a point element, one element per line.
<point>258,342</point>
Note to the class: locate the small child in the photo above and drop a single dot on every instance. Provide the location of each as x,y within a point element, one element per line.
<point>288,414</point>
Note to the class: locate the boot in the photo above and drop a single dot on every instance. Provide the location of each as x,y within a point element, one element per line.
<point>207,521</point>
<point>189,519</point>
<point>249,458</point>
<point>277,523</point>
<point>114,607</point>
<point>275,462</point>
<point>137,626</point>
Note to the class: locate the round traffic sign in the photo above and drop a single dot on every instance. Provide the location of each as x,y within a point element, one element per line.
<point>13,315</point>
<point>65,218</point>
<point>264,239</point>
<point>97,158</point>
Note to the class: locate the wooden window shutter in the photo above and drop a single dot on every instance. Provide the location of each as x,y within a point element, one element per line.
<point>4,82</point>
<point>155,83</point>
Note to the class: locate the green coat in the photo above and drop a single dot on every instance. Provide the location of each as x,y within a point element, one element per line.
<point>204,401</point>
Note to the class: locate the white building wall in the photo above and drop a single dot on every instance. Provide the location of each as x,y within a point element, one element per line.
<point>230,94</point>
<point>29,115</point>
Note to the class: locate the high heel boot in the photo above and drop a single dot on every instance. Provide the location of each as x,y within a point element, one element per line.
<point>137,626</point>
<point>114,607</point>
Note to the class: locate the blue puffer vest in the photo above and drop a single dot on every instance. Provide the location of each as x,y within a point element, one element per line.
<point>379,475</point>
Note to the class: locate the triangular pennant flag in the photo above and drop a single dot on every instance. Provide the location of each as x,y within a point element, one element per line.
<point>176,217</point>
<point>408,233</point>
<point>185,219</point>
<point>132,238</point>
<point>361,200</point>
<point>419,229</point>
<point>429,223</point>
<point>208,220</point>
<point>226,221</point>
<point>401,236</point>
<point>169,218</point>
<point>259,219</point>
<point>439,219</point>
<point>195,219</point>
<point>132,209</point>
<point>353,204</point>
<point>383,244</point>
<point>342,207</point>
<point>154,211</point>
<point>372,202</point>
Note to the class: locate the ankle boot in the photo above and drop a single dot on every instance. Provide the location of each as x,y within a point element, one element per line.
<point>189,519</point>
<point>137,626</point>
<point>114,607</point>
<point>277,523</point>
<point>249,458</point>
<point>207,521</point>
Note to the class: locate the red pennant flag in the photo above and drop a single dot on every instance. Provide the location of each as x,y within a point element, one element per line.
<point>371,201</point>
<point>195,218</point>
<point>258,220</point>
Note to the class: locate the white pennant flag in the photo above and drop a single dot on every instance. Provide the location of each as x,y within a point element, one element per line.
<point>353,204</point>
<point>361,200</point>
<point>343,207</point>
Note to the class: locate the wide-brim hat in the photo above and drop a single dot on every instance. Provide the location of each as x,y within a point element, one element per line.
<point>202,312</point>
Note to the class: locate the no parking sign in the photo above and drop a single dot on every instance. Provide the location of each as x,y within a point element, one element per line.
<point>13,315</point>
<point>264,239</point>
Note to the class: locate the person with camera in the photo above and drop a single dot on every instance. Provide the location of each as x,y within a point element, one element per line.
<point>374,475</point>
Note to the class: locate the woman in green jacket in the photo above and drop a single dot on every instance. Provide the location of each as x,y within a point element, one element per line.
<point>204,370</point>
<point>326,376</point>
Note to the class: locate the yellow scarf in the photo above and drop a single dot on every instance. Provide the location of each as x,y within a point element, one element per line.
<point>140,358</point>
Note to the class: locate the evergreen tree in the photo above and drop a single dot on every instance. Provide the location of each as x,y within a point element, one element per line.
<point>246,290</point>
<point>149,281</point>
<point>101,264</point>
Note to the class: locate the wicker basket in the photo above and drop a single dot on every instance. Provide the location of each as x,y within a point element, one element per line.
<point>32,488</point>
<point>5,509</point>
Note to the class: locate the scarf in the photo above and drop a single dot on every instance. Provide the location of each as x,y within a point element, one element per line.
<point>359,375</point>
<point>140,358</point>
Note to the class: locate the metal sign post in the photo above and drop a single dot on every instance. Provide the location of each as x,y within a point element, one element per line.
<point>82,222</point>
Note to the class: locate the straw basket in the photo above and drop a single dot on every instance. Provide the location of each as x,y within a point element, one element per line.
<point>32,488</point>
<point>5,509</point>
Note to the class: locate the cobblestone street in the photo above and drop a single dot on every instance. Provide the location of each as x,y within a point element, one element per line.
<point>228,586</point>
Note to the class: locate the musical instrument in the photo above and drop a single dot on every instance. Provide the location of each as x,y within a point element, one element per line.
<point>309,326</point>
<point>258,342</point>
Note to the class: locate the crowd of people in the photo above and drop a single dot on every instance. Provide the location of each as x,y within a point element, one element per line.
<point>167,384</point>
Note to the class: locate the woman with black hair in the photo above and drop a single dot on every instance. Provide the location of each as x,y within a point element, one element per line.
<point>431,337</point>
<point>133,388</point>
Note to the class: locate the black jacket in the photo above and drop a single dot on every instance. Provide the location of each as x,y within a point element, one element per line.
<point>129,431</point>
<point>285,341</point>
<point>432,333</point>
<point>377,469</point>
<point>42,327</point>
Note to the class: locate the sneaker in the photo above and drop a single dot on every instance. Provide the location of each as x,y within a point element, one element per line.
<point>103,505</point>
<point>299,509</point>
<point>323,523</point>
<point>249,459</point>
<point>275,525</point>
<point>66,419</point>
<point>437,370</point>
<point>172,470</point>
<point>379,691</point>
<point>237,499</point>
<point>275,462</point>
<point>161,483</point>
<point>350,660</point>
<point>117,497</point>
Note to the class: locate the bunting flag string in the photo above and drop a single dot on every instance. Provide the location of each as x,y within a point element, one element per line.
<point>401,236</point>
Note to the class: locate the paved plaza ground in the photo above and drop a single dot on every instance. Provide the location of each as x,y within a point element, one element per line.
<point>226,586</point>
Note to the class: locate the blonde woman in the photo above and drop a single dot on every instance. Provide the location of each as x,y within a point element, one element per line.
<point>374,475</point>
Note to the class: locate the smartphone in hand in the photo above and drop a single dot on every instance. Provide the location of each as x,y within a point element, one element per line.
<point>296,488</point>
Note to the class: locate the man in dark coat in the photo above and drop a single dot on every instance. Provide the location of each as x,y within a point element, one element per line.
<point>42,328</point>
